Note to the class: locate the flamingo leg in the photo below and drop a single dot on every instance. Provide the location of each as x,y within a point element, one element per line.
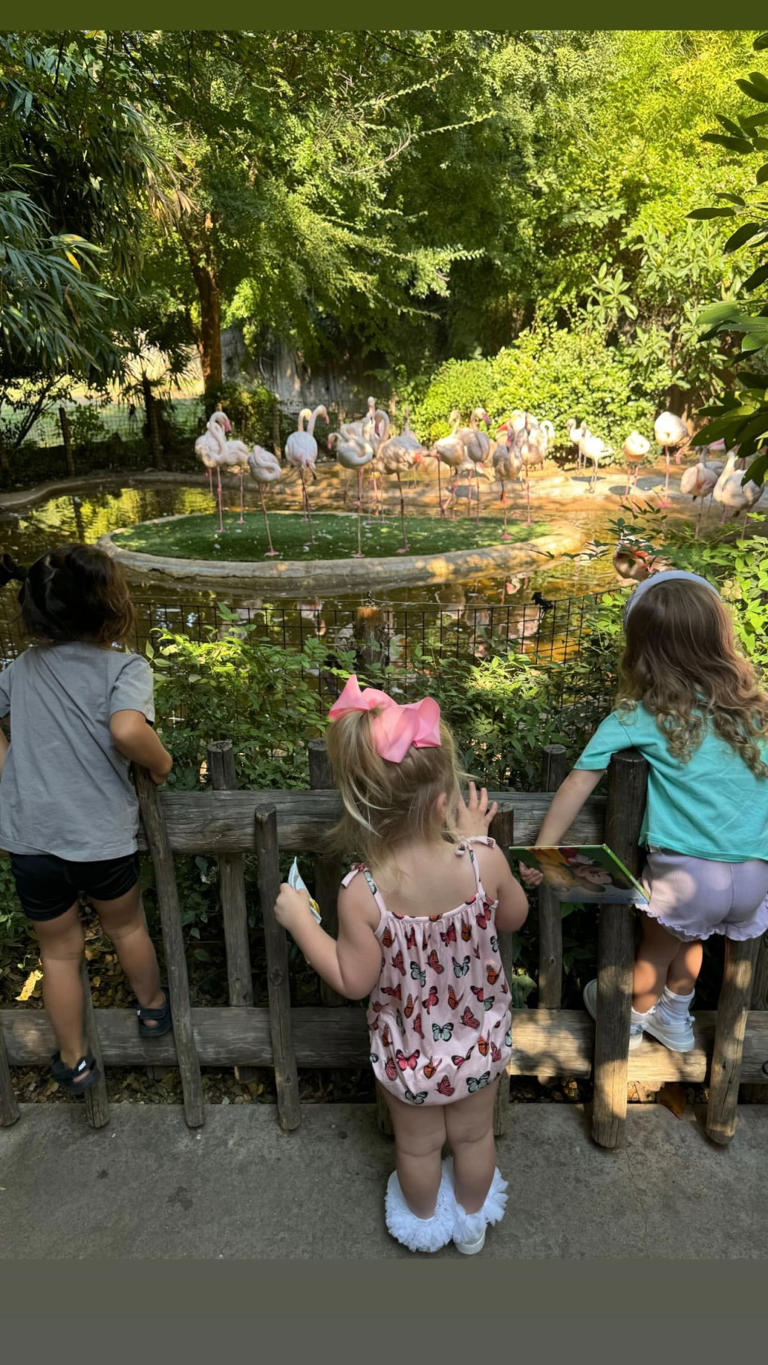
<point>665,499</point>
<point>440,488</point>
<point>528,496</point>
<point>218,490</point>
<point>504,502</point>
<point>469,492</point>
<point>210,480</point>
<point>404,547</point>
<point>241,499</point>
<point>359,553</point>
<point>271,551</point>
<point>477,488</point>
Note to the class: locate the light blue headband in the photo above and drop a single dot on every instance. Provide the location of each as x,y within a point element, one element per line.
<point>666,576</point>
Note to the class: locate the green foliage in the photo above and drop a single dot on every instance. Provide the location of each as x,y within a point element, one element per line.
<point>249,409</point>
<point>741,417</point>
<point>86,426</point>
<point>549,371</point>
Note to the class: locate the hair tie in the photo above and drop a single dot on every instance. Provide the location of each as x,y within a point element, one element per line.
<point>10,571</point>
<point>396,727</point>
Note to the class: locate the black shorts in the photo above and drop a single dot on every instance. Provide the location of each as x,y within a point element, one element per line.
<point>47,885</point>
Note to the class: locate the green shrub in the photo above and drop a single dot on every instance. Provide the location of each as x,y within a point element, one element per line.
<point>86,426</point>
<point>249,409</point>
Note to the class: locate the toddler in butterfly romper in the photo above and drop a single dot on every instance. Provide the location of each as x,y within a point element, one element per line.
<point>439,1018</point>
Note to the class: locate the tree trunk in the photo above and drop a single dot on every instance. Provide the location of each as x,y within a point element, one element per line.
<point>210,329</point>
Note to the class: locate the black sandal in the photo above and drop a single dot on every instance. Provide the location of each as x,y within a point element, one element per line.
<point>162,1015</point>
<point>68,1076</point>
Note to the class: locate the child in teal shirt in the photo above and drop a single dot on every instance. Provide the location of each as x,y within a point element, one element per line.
<point>692,706</point>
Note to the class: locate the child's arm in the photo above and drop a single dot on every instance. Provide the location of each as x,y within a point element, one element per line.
<point>351,965</point>
<point>566,804</point>
<point>4,747</point>
<point>512,909</point>
<point>134,737</point>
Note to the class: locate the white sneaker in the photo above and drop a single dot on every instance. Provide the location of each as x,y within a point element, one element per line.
<point>471,1248</point>
<point>590,1000</point>
<point>677,1035</point>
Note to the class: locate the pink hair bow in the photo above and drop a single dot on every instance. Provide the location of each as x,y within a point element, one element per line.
<point>396,727</point>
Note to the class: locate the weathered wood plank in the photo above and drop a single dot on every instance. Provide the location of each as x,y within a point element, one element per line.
<point>627,782</point>
<point>560,1041</point>
<point>554,767</point>
<point>152,815</point>
<point>278,983</point>
<point>758,1094</point>
<point>234,909</point>
<point>96,1102</point>
<point>9,1109</point>
<point>222,822</point>
<point>732,1010</point>
<point>502,829</point>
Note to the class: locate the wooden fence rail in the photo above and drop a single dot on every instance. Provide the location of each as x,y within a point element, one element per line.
<point>731,1044</point>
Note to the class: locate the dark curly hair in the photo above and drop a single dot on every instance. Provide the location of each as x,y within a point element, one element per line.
<point>73,592</point>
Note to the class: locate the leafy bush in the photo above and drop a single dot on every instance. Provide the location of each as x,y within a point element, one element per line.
<point>549,371</point>
<point>86,426</point>
<point>250,410</point>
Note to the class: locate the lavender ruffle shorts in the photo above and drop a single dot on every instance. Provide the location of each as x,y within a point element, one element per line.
<point>694,898</point>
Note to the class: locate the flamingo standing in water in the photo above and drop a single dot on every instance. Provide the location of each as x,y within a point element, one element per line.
<point>301,450</point>
<point>394,456</point>
<point>265,468</point>
<point>671,434</point>
<point>353,453</point>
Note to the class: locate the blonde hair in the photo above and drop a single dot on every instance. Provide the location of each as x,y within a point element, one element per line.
<point>681,662</point>
<point>386,803</point>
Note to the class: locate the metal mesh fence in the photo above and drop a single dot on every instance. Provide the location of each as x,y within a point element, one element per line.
<point>94,422</point>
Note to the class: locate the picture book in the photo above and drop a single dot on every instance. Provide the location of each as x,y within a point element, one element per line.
<point>587,872</point>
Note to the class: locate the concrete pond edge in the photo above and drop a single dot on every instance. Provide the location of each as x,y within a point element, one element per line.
<point>325,575</point>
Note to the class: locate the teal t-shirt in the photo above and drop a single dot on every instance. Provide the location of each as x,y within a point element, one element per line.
<point>710,807</point>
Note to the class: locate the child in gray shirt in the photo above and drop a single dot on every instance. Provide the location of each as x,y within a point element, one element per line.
<point>80,713</point>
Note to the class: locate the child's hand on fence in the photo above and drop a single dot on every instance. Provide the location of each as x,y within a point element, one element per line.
<point>475,815</point>
<point>530,875</point>
<point>159,775</point>
<point>291,905</point>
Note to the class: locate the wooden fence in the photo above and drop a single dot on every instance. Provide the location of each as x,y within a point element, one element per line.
<point>731,1044</point>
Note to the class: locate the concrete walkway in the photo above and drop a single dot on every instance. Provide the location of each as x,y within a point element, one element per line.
<point>145,1186</point>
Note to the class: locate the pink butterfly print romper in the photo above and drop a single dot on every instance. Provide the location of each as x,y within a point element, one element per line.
<point>438,1017</point>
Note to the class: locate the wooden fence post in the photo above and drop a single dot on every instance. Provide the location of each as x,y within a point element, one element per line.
<point>69,454</point>
<point>96,1102</point>
<point>502,829</point>
<point>173,942</point>
<point>756,1093</point>
<point>554,766</point>
<point>627,781</point>
<point>276,944</point>
<point>234,909</point>
<point>9,1109</point>
<point>730,1027</point>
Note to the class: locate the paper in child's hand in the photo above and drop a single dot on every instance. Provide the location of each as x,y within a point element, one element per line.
<point>295,880</point>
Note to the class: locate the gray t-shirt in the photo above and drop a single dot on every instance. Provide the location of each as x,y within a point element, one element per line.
<point>65,789</point>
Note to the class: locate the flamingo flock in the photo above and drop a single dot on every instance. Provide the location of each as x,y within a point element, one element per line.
<point>521,443</point>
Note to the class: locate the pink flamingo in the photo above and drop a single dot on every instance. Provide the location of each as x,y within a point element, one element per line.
<point>507,464</point>
<point>353,453</point>
<point>671,434</point>
<point>301,450</point>
<point>394,457</point>
<point>265,468</point>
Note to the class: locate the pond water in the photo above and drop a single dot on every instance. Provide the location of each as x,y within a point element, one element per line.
<point>91,511</point>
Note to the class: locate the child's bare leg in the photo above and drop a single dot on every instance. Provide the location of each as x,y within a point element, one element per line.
<point>123,921</point>
<point>419,1140</point>
<point>469,1126</point>
<point>657,950</point>
<point>683,970</point>
<point>61,952</point>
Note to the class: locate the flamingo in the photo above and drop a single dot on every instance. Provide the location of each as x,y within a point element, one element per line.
<point>224,452</point>
<point>477,447</point>
<point>507,464</point>
<point>363,426</point>
<point>208,446</point>
<point>301,450</point>
<point>575,434</point>
<point>530,447</point>
<point>394,457</point>
<point>265,468</point>
<point>449,450</point>
<point>353,454</point>
<point>635,449</point>
<point>731,493</point>
<point>593,448</point>
<point>671,433</point>
<point>698,480</point>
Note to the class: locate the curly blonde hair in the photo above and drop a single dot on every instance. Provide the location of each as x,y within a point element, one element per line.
<point>386,803</point>
<point>682,663</point>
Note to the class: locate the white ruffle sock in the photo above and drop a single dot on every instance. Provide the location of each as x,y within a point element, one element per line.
<point>419,1234</point>
<point>469,1227</point>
